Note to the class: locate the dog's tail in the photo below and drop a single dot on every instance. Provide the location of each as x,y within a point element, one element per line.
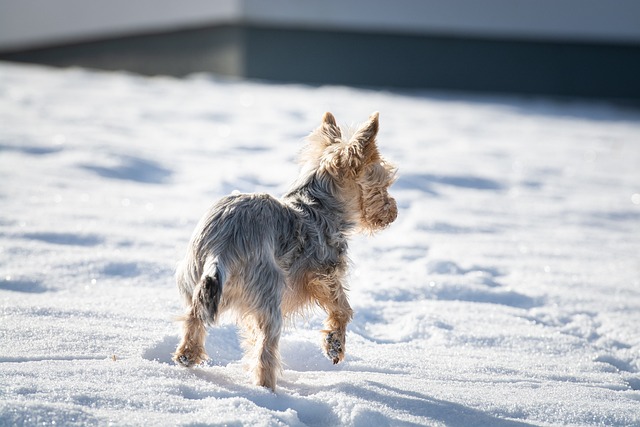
<point>207,294</point>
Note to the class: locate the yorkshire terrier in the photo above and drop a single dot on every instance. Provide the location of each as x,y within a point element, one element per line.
<point>266,258</point>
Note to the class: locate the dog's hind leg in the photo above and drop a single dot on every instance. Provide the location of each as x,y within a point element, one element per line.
<point>191,350</point>
<point>268,355</point>
<point>202,312</point>
<point>263,325</point>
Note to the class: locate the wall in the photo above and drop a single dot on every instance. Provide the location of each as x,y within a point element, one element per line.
<point>37,23</point>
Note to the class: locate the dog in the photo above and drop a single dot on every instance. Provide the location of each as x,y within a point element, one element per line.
<point>266,258</point>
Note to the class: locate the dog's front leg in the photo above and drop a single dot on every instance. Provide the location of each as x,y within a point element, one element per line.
<point>339,314</point>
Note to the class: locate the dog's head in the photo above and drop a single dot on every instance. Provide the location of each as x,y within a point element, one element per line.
<point>355,164</point>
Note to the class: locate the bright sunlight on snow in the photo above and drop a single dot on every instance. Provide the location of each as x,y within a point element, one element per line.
<point>507,292</point>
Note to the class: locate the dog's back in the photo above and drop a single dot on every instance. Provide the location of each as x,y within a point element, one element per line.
<point>235,237</point>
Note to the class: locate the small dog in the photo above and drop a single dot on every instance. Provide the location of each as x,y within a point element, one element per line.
<point>268,258</point>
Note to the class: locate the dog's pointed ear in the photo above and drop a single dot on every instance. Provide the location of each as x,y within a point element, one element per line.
<point>361,146</point>
<point>330,128</point>
<point>367,132</point>
<point>329,119</point>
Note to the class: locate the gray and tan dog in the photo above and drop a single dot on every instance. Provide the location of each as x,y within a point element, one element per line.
<point>268,258</point>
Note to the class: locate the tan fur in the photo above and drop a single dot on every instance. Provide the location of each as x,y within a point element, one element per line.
<point>192,344</point>
<point>267,259</point>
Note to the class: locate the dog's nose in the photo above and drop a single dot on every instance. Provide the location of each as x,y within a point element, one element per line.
<point>393,210</point>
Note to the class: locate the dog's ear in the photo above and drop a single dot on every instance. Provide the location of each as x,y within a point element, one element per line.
<point>328,119</point>
<point>330,129</point>
<point>361,147</point>
<point>367,132</point>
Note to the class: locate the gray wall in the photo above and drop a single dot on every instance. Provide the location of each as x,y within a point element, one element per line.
<point>582,48</point>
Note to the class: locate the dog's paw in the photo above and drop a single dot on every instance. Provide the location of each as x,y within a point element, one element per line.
<point>189,359</point>
<point>182,360</point>
<point>334,346</point>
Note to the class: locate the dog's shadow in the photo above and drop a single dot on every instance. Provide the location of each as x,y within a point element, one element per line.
<point>227,379</point>
<point>222,346</point>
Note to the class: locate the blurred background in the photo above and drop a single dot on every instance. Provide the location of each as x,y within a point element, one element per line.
<point>577,48</point>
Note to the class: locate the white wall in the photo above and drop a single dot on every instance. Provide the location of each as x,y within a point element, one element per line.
<point>27,23</point>
<point>32,23</point>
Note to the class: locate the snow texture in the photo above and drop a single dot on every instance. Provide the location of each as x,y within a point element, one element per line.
<point>507,293</point>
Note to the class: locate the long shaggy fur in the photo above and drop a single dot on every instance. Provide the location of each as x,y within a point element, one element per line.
<point>267,258</point>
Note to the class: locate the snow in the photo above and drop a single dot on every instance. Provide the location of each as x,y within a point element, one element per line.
<point>507,292</point>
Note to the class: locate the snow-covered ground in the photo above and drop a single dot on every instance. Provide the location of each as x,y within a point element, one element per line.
<point>507,292</point>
